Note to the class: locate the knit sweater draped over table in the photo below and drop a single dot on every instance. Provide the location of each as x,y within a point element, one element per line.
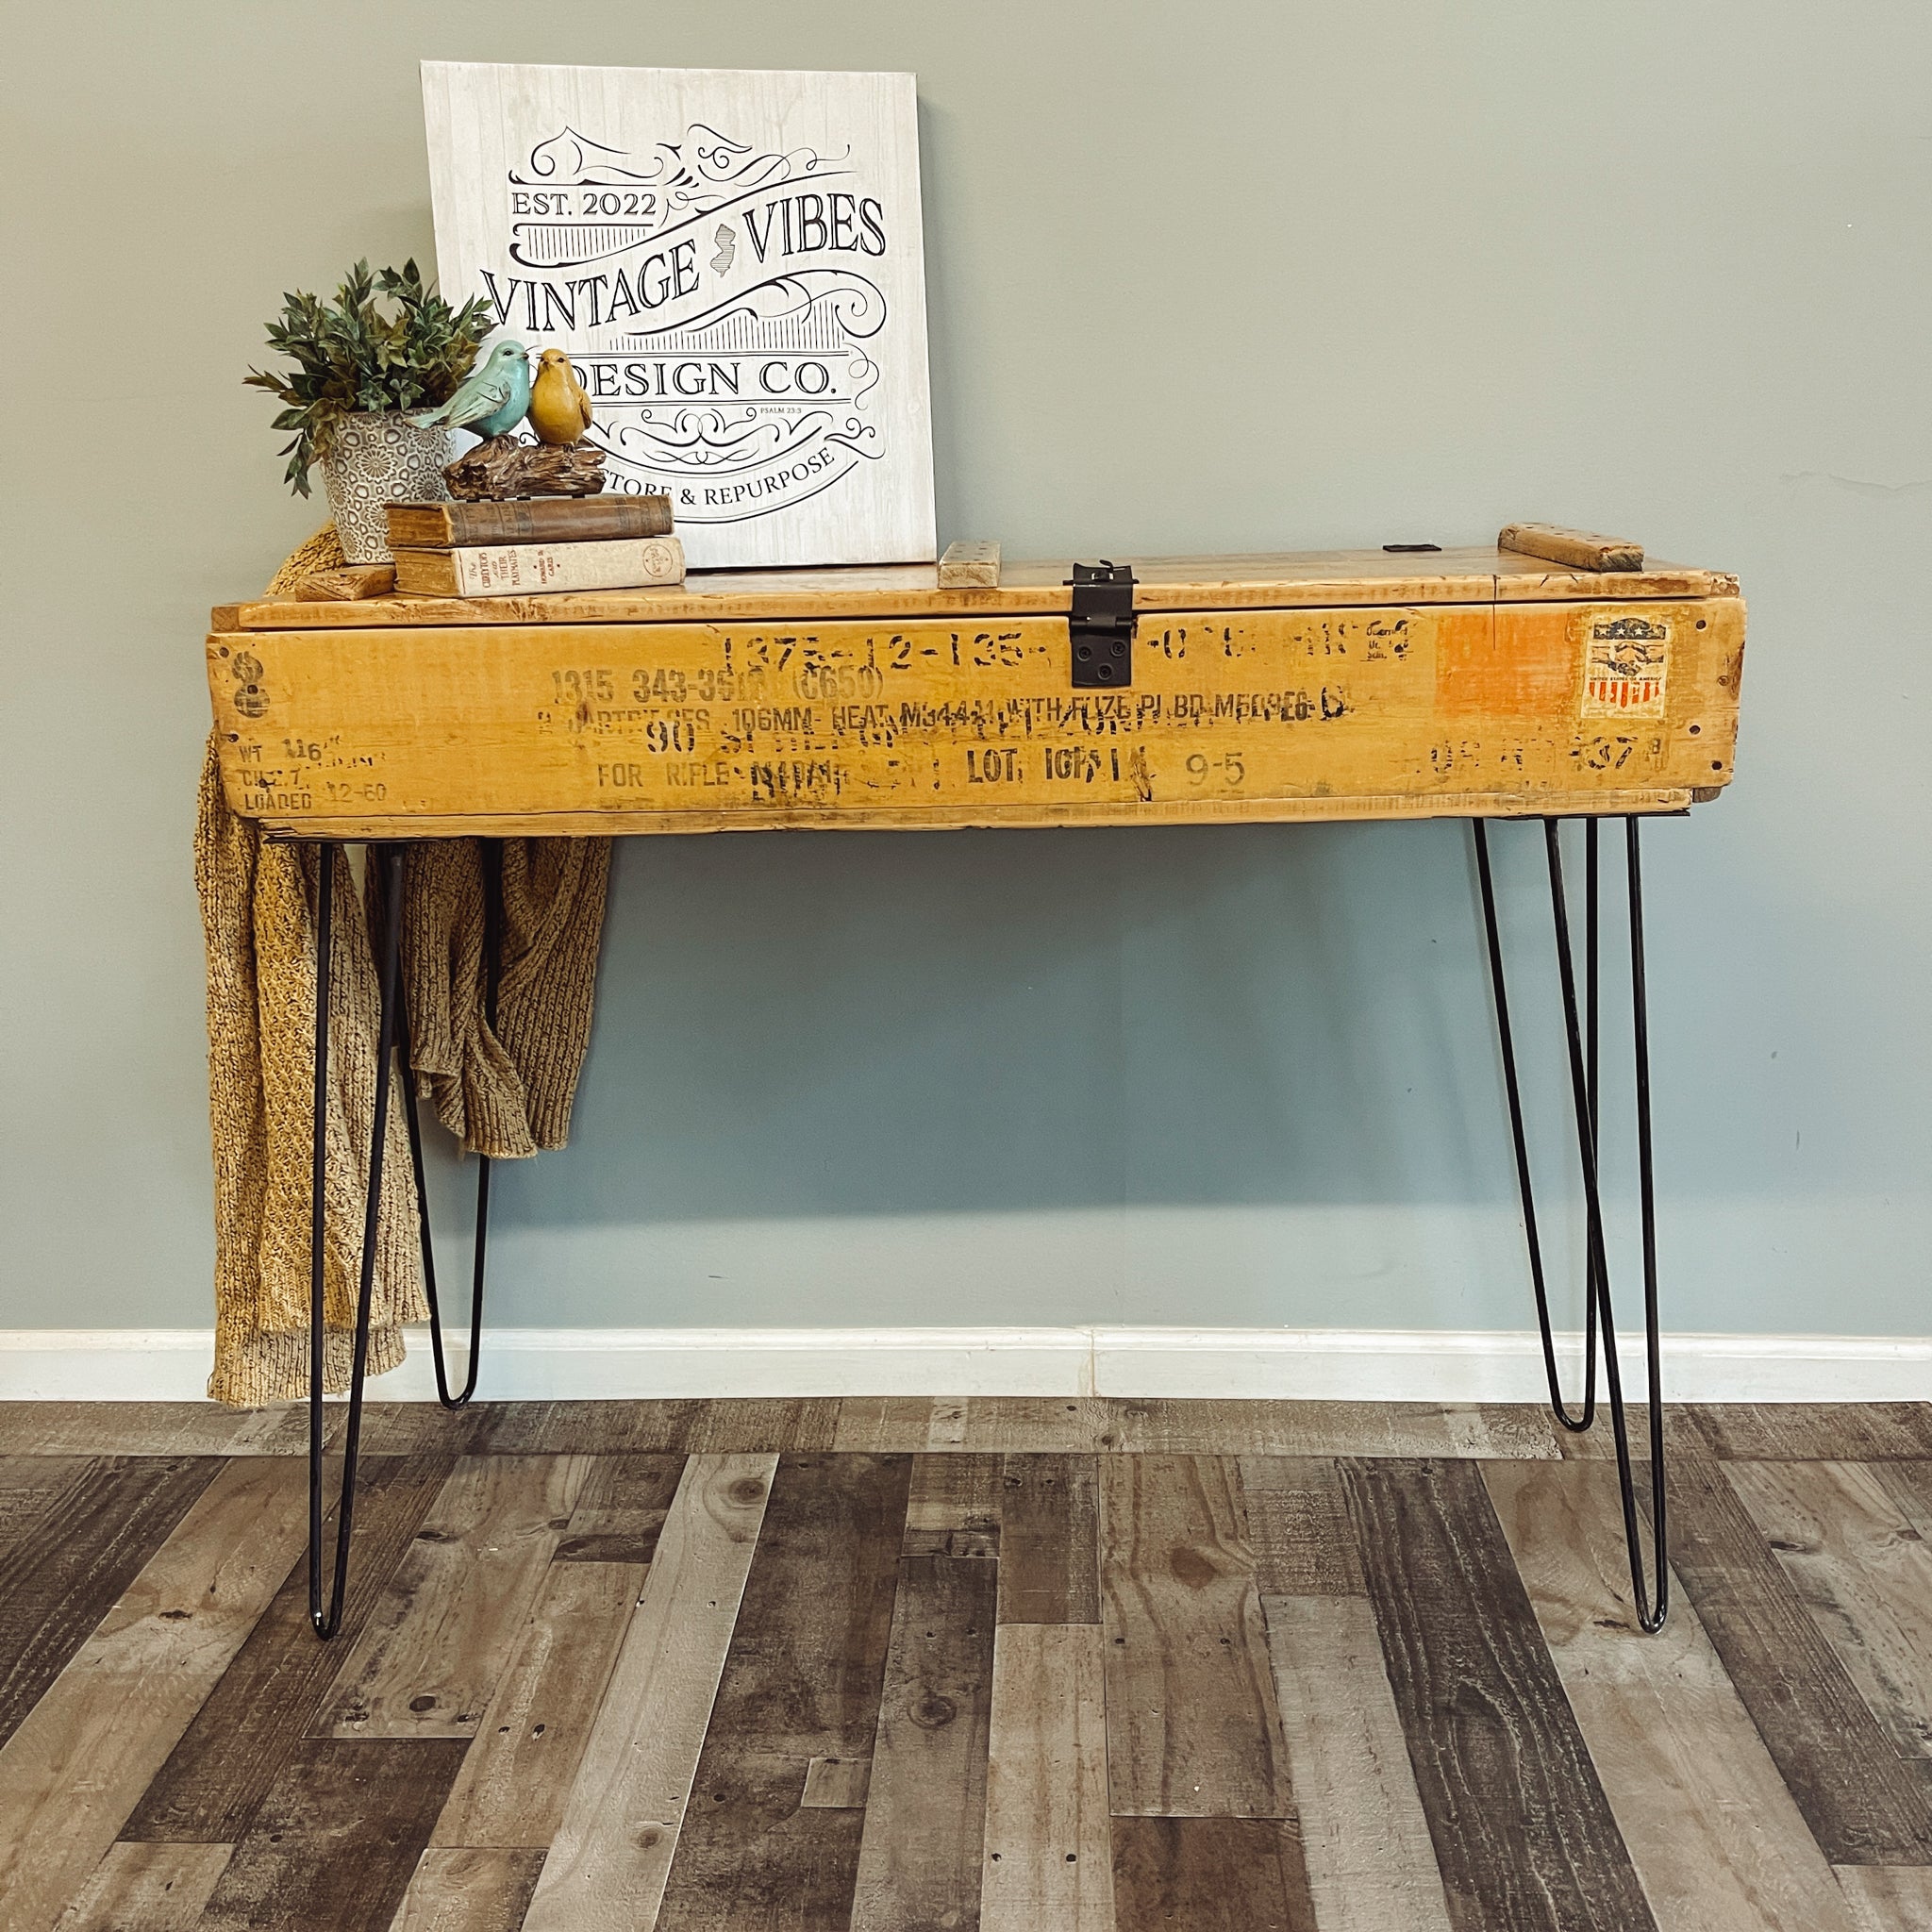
<point>505,1091</point>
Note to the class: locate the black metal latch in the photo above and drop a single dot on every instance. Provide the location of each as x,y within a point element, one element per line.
<point>1101,625</point>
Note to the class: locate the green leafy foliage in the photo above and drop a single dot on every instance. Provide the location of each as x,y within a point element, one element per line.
<point>356,356</point>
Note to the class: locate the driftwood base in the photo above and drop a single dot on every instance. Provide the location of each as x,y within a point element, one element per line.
<point>504,468</point>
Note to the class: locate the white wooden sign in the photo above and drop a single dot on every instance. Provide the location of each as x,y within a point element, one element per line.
<point>734,263</point>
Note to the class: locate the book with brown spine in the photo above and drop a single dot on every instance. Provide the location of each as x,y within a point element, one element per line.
<point>510,570</point>
<point>528,520</point>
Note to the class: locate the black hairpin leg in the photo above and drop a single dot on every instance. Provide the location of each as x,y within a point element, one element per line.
<point>328,1619</point>
<point>1652,1603</point>
<point>493,924</point>
<point>392,1032</point>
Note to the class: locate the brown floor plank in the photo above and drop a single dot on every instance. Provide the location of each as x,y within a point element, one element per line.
<point>735,1426</point>
<point>1888,1899</point>
<point>1209,1874</point>
<point>769,1425</point>
<point>612,1849</point>
<point>1524,1835</point>
<point>148,1428</point>
<point>468,1889</point>
<point>887,1424</point>
<point>924,1833</point>
<point>1298,1528</point>
<point>427,1661</point>
<point>425,1428</point>
<point>947,1427</point>
<point>1864,1805</point>
<point>1048,1850</point>
<point>1042,1424</point>
<point>253,1717</point>
<point>530,1429</point>
<point>73,1769</point>
<point>337,1838</point>
<point>87,1547</point>
<point>281,1430</point>
<point>1191,1724</point>
<point>1049,1540</point>
<point>621,1509</point>
<point>802,1680</point>
<point>954,1506</point>
<point>1812,1431</point>
<point>1365,1841</point>
<point>30,1487</point>
<point>1772,1431</point>
<point>1713,1831</point>
<point>1507,1432</point>
<point>517,1774</point>
<point>1864,1571</point>
<point>1168,1425</point>
<point>1910,1485</point>
<point>590,1428</point>
<point>1598,1442</point>
<point>147,1889</point>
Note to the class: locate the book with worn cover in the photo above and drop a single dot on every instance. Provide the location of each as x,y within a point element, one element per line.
<point>531,520</point>
<point>507,570</point>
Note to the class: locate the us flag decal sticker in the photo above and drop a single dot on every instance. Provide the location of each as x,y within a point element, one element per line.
<point>1626,662</point>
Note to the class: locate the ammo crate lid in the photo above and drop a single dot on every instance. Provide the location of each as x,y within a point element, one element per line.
<point>1252,581</point>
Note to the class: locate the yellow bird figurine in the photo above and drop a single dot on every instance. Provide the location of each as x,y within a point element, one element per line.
<point>560,410</point>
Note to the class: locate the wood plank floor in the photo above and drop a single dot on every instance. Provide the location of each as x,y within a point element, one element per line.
<point>1030,1665</point>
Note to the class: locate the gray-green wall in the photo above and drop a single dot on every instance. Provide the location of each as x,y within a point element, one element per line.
<point>1236,276</point>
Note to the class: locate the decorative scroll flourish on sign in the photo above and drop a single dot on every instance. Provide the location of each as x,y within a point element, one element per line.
<point>618,206</point>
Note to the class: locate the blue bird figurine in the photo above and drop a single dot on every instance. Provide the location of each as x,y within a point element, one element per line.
<point>492,400</point>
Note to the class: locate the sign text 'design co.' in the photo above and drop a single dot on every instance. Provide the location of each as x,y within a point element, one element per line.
<point>734,262</point>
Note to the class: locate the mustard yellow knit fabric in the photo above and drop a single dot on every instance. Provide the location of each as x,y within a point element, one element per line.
<point>257,909</point>
<point>505,1092</point>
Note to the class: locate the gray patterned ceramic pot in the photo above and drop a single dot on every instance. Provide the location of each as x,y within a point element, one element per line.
<point>376,460</point>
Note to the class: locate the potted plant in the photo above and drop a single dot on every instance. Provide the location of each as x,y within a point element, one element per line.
<point>358,367</point>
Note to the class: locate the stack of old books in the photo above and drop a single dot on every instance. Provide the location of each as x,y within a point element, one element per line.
<point>538,544</point>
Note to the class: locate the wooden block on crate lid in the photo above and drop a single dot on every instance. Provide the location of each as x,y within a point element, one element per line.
<point>971,564</point>
<point>1579,549</point>
<point>348,583</point>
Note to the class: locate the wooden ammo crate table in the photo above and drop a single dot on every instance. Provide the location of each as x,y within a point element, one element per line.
<point>1337,685</point>
<point>1476,683</point>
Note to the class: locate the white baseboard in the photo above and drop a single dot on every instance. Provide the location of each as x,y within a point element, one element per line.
<point>1376,1365</point>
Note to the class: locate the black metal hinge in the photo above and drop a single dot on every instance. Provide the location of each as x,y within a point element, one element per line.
<point>1101,625</point>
